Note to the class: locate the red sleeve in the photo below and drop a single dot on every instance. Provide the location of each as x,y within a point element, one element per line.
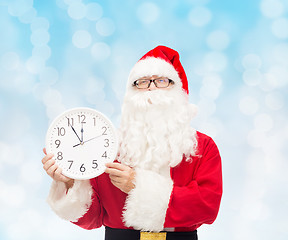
<point>93,218</point>
<point>198,200</point>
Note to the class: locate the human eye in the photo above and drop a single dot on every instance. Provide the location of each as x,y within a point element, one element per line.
<point>162,80</point>
<point>142,82</point>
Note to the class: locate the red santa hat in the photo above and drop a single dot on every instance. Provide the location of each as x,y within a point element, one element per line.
<point>161,61</point>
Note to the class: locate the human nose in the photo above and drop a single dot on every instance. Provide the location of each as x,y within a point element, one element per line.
<point>152,86</point>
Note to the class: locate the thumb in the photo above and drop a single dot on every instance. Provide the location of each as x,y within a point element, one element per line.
<point>44,151</point>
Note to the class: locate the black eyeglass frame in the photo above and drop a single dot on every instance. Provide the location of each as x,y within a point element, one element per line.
<point>152,80</point>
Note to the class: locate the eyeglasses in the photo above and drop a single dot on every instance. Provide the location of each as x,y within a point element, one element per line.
<point>161,82</point>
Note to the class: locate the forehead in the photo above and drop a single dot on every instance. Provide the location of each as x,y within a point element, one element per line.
<point>149,77</point>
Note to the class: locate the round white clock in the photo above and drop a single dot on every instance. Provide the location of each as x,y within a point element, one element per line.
<point>82,141</point>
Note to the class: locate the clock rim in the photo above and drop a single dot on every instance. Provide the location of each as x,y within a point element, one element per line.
<point>59,116</point>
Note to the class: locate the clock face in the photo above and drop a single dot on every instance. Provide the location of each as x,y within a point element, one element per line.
<point>82,141</point>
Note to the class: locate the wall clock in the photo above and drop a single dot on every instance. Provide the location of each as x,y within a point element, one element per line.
<point>82,141</point>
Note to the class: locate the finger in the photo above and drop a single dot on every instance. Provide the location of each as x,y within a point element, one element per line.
<point>44,151</point>
<point>113,171</point>
<point>58,175</point>
<point>51,170</point>
<point>116,184</point>
<point>47,158</point>
<point>116,179</point>
<point>48,164</point>
<point>116,165</point>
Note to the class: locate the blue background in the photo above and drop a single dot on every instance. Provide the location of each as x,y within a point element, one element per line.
<point>56,55</point>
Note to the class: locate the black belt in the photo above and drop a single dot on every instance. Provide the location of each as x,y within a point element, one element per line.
<point>130,234</point>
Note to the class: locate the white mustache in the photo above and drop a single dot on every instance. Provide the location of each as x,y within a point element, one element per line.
<point>151,98</point>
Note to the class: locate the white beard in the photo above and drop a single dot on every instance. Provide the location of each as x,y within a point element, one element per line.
<point>155,130</point>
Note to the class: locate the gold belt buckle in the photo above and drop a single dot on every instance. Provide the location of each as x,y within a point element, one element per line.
<point>153,236</point>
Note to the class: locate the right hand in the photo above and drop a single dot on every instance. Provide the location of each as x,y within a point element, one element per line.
<point>54,171</point>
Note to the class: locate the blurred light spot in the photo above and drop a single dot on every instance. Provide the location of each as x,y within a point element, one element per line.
<point>213,79</point>
<point>28,16</point>
<point>274,101</point>
<point>77,10</point>
<point>93,11</point>
<point>93,98</point>
<point>100,51</point>
<point>35,64</point>
<point>207,107</point>
<point>93,85</point>
<point>256,138</point>
<point>248,105</point>
<point>19,7</point>
<point>10,61</point>
<point>268,82</point>
<point>61,4</point>
<point>43,52</point>
<point>211,86</point>
<point>251,61</point>
<point>105,27</point>
<point>105,107</point>
<point>218,40</point>
<point>271,8</point>
<point>209,91</point>
<point>280,75</point>
<point>252,77</point>
<point>215,61</point>
<point>69,2</point>
<point>199,16</point>
<point>39,22</point>
<point>148,12</point>
<point>263,122</point>
<point>40,37</point>
<point>280,28</point>
<point>4,153</point>
<point>54,110</point>
<point>49,76</point>
<point>52,97</point>
<point>212,127</point>
<point>24,82</point>
<point>280,53</point>
<point>81,39</point>
<point>38,90</point>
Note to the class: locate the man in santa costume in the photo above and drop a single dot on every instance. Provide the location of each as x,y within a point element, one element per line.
<point>167,179</point>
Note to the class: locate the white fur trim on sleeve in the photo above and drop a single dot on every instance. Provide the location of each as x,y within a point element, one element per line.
<point>146,205</point>
<point>75,203</point>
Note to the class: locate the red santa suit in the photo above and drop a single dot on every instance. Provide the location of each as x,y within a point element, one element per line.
<point>180,199</point>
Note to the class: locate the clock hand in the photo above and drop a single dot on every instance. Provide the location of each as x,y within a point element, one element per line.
<point>81,143</point>
<point>76,133</point>
<point>82,133</point>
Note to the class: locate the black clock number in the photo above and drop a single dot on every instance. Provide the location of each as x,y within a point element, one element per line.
<point>70,121</point>
<point>106,143</point>
<point>81,118</point>
<point>94,121</point>
<point>105,130</point>
<point>94,164</point>
<point>60,156</point>
<point>104,154</point>
<point>61,131</point>
<point>57,142</point>
<point>82,168</point>
<point>71,162</point>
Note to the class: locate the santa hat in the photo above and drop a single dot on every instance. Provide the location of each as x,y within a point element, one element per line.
<point>161,61</point>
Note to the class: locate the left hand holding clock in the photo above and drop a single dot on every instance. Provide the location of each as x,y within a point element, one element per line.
<point>121,176</point>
